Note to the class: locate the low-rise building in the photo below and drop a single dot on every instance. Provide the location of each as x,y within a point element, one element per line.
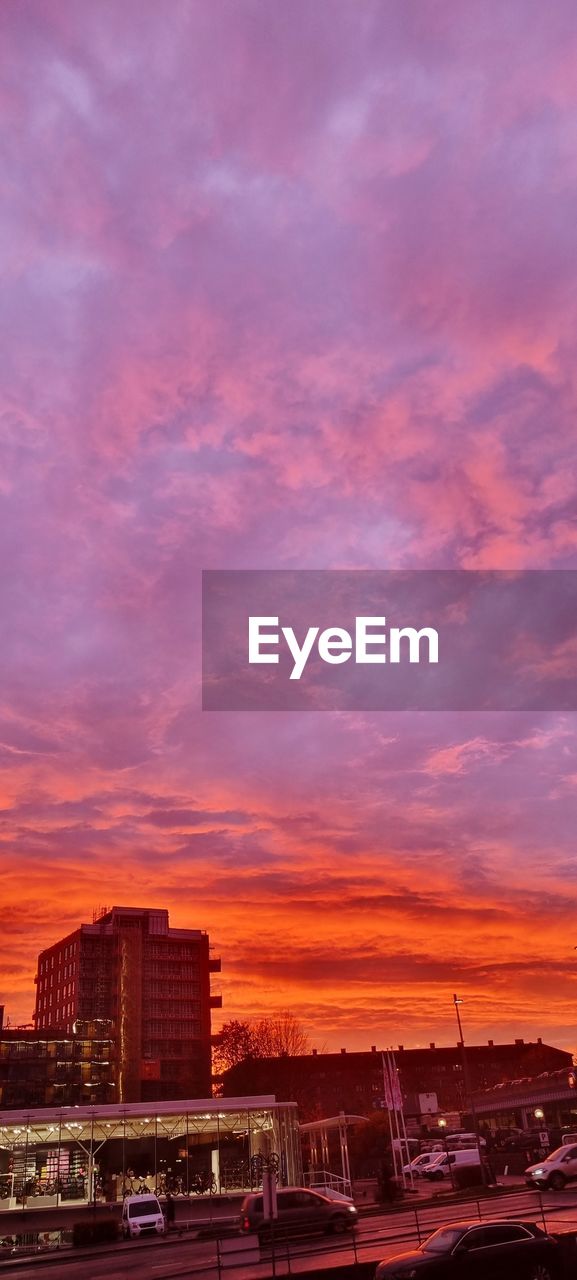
<point>86,1155</point>
<point>323,1084</point>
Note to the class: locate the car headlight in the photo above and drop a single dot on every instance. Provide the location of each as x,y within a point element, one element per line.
<point>536,1171</point>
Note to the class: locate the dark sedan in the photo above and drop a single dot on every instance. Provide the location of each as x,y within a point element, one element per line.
<point>478,1251</point>
<point>300,1210</point>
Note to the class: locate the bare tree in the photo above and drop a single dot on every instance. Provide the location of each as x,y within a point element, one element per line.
<point>274,1037</point>
<point>280,1036</point>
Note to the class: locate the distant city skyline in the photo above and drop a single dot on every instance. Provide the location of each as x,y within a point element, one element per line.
<point>287,286</point>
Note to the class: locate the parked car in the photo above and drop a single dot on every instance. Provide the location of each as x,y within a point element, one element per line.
<point>461,1140</point>
<point>300,1210</point>
<point>527,1141</point>
<point>558,1168</point>
<point>420,1163</point>
<point>142,1215</point>
<point>441,1167</point>
<point>478,1251</point>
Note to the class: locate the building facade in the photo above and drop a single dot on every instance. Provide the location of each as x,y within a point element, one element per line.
<point>90,1155</point>
<point>546,1101</point>
<point>129,967</point>
<point>324,1084</point>
<point>53,1068</point>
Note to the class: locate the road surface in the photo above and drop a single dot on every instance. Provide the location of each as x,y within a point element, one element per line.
<point>378,1236</point>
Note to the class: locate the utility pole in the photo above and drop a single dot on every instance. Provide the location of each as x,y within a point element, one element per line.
<point>467,1083</point>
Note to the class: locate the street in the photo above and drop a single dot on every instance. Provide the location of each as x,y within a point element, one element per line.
<point>378,1236</point>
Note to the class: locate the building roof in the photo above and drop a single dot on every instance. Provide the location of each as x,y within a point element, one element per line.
<point>529,1091</point>
<point>116,1111</point>
<point>104,924</point>
<point>361,1058</point>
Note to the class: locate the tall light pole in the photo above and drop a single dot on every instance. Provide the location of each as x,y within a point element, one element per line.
<point>467,1083</point>
<point>457,1001</point>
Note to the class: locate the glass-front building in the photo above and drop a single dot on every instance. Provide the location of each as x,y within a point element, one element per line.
<point>102,1153</point>
<point>53,1069</point>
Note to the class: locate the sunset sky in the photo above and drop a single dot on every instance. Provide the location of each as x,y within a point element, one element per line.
<point>287,284</point>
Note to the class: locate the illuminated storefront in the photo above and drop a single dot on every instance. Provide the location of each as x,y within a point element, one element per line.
<point>85,1154</point>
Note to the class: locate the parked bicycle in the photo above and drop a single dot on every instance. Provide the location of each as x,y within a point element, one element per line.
<point>136,1187</point>
<point>203,1183</point>
<point>172,1184</point>
<point>259,1164</point>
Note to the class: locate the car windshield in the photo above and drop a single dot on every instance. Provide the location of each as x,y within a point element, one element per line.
<point>443,1240</point>
<point>144,1208</point>
<point>558,1154</point>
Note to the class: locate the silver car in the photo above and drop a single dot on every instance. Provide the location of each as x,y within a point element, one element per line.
<point>555,1170</point>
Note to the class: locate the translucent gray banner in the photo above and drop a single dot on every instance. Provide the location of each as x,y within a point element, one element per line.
<point>453,640</point>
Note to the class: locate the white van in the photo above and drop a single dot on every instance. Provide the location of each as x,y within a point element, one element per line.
<point>441,1167</point>
<point>418,1166</point>
<point>142,1215</point>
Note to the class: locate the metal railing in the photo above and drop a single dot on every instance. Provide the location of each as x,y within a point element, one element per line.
<point>319,1178</point>
<point>397,1229</point>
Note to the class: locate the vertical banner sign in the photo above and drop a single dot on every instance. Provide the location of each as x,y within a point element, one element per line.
<point>395,1085</point>
<point>387,1086</point>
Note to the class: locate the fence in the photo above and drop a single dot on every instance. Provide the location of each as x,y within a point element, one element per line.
<point>401,1229</point>
<point>396,1230</point>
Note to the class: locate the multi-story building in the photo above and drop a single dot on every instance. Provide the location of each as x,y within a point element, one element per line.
<point>153,982</point>
<point>53,1069</point>
<point>325,1083</point>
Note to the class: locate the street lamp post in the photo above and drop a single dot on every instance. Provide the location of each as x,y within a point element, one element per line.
<point>467,1083</point>
<point>457,1001</point>
<point>443,1127</point>
<point>539,1115</point>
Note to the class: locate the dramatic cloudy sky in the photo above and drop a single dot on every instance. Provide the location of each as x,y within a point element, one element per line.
<point>286,285</point>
